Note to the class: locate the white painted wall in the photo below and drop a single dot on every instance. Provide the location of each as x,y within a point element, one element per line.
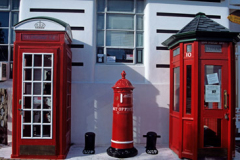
<point>92,95</point>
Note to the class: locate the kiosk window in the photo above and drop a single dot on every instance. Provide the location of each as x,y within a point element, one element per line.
<point>176,52</point>
<point>213,87</point>
<point>176,89</point>
<point>188,90</point>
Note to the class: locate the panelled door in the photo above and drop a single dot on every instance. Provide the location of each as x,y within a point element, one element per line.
<point>36,105</point>
<point>214,108</point>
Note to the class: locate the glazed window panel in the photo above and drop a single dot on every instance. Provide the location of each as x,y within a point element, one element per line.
<point>176,51</point>
<point>189,90</point>
<point>4,4</point>
<point>119,28</point>
<point>120,5</point>
<point>213,78</point>
<point>37,95</point>
<point>9,11</point>
<point>176,89</point>
<point>119,21</point>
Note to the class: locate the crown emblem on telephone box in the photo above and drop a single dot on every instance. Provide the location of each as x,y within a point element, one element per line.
<point>39,25</point>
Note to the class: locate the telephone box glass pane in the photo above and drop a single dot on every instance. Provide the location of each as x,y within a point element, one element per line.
<point>213,87</point>
<point>46,117</point>
<point>27,74</point>
<point>176,89</point>
<point>47,75</point>
<point>27,102</point>
<point>26,130</point>
<point>37,60</point>
<point>27,88</point>
<point>188,90</point>
<point>47,60</point>
<point>176,52</point>
<point>46,130</point>
<point>47,88</point>
<point>36,102</point>
<point>36,88</point>
<point>27,117</point>
<point>47,103</point>
<point>36,116</point>
<point>28,60</point>
<point>212,132</point>
<point>36,130</point>
<point>37,75</point>
<point>189,48</point>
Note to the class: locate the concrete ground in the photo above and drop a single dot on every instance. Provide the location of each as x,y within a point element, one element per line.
<point>75,153</point>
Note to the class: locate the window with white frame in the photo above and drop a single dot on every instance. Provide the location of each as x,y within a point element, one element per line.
<point>120,31</point>
<point>9,10</point>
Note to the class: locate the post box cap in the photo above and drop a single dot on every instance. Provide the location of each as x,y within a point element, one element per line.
<point>123,83</point>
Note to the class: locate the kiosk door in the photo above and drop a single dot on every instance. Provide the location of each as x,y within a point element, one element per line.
<point>35,118</point>
<point>214,108</point>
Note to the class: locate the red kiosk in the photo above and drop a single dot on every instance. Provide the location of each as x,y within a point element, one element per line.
<point>202,90</point>
<point>41,89</point>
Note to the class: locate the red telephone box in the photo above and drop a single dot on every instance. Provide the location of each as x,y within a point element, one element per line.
<point>202,90</point>
<point>41,89</point>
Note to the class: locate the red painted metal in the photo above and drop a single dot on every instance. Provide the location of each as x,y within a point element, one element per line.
<point>55,42</point>
<point>122,127</point>
<point>186,131</point>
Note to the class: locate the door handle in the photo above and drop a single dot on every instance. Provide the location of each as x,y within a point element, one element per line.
<point>225,99</point>
<point>21,111</point>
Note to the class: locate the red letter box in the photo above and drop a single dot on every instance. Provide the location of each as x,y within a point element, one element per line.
<point>122,127</point>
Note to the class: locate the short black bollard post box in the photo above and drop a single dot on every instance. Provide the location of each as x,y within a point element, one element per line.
<point>151,142</point>
<point>89,143</point>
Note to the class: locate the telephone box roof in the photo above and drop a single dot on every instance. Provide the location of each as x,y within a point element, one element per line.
<point>201,28</point>
<point>44,23</point>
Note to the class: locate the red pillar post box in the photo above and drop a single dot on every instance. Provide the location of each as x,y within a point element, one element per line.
<point>41,105</point>
<point>122,127</point>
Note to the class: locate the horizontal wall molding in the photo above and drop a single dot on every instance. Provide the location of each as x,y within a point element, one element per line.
<point>166,31</point>
<point>185,15</point>
<point>57,10</point>
<point>162,66</point>
<point>77,28</point>
<point>77,46</point>
<point>161,48</point>
<point>77,63</point>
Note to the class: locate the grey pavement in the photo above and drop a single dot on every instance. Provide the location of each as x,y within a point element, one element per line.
<point>75,153</point>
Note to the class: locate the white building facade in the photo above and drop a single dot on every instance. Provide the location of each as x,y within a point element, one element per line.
<point>110,36</point>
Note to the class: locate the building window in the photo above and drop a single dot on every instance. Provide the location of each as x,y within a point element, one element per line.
<point>120,31</point>
<point>9,10</point>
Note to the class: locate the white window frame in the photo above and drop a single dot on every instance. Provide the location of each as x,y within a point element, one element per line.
<point>134,48</point>
<point>41,95</point>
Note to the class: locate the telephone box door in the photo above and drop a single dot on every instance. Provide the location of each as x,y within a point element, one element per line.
<point>214,107</point>
<point>36,120</point>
